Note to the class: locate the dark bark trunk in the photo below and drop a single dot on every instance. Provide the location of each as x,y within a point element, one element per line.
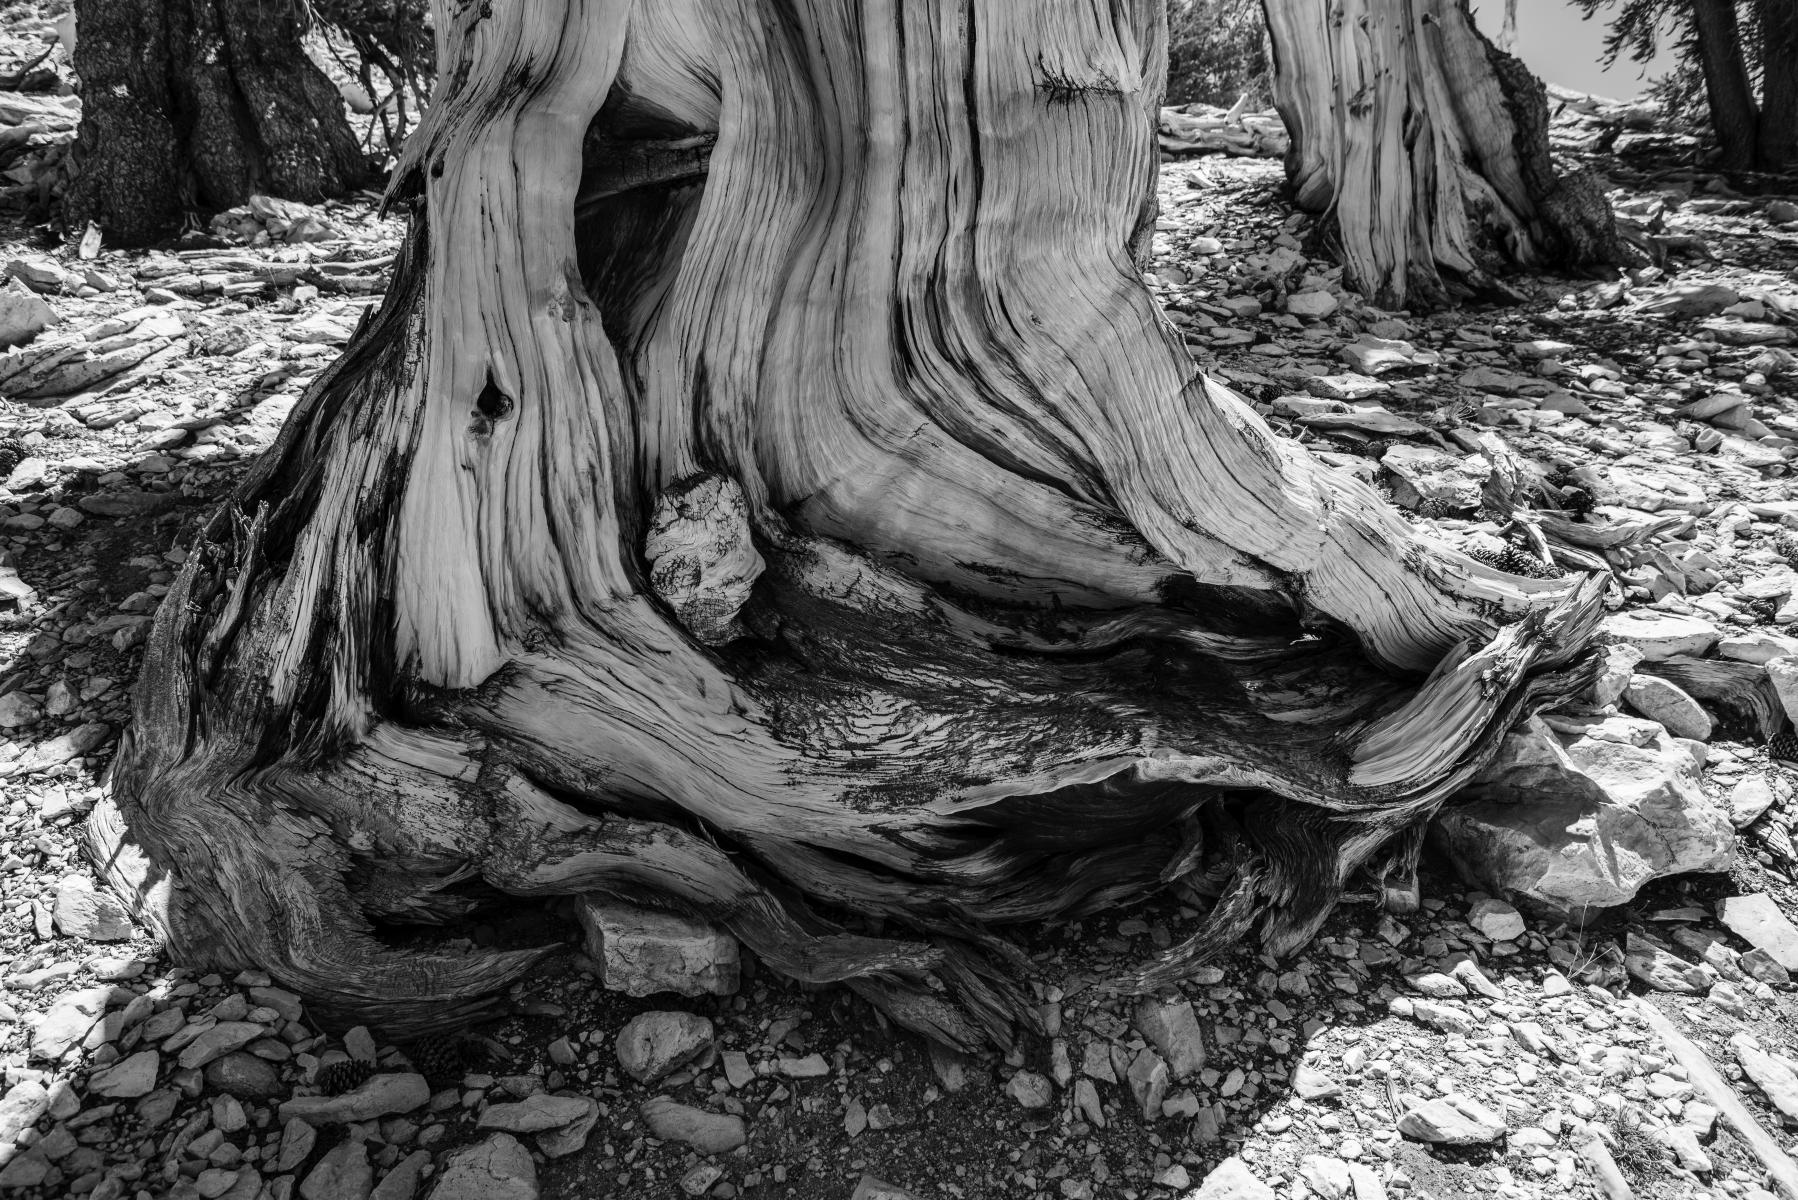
<point>1735,118</point>
<point>1778,135</point>
<point>1429,147</point>
<point>191,106</point>
<point>786,502</point>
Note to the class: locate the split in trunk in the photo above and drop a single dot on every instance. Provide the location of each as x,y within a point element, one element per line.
<point>836,534</point>
<point>1428,147</point>
<point>195,105</point>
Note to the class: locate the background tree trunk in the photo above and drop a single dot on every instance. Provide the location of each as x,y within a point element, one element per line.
<point>768,487</point>
<point>1734,116</point>
<point>1777,145</point>
<point>1428,147</point>
<point>195,105</point>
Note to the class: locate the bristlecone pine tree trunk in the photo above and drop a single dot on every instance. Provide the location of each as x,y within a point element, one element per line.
<point>192,106</point>
<point>769,490</point>
<point>1429,148</point>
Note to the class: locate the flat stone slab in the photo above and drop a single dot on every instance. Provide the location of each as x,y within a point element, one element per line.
<point>1757,920</point>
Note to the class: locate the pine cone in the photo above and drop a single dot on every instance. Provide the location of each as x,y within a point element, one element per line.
<point>441,1058</point>
<point>12,453</point>
<point>1513,561</point>
<point>1784,746</point>
<point>345,1075</point>
<point>1577,500</point>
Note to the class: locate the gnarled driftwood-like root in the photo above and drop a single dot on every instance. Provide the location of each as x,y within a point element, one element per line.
<point>833,533</point>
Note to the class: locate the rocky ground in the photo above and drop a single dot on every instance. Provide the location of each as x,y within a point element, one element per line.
<point>1486,1044</point>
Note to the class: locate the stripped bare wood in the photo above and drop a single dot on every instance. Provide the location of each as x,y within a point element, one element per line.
<point>840,534</point>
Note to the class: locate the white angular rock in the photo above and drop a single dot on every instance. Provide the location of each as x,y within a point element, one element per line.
<point>652,1044</point>
<point>1756,646</point>
<point>127,1079</point>
<point>642,952</point>
<point>1751,797</point>
<point>1231,1180</point>
<point>1496,920</point>
<point>1582,819</point>
<point>83,911</point>
<point>20,1109</point>
<point>23,315</point>
<point>1030,1090</point>
<point>495,1168</point>
<point>1452,1121</point>
<point>1660,968</point>
<point>63,1027</point>
<point>1664,701</point>
<point>1312,306</point>
<point>706,1132</point>
<point>344,1173</point>
<point>380,1096</point>
<point>1770,1075</point>
<point>1783,671</point>
<point>1659,635</point>
<point>1616,667</point>
<point>1173,1028</point>
<point>1757,920</point>
<point>1428,479</point>
<point>534,1114</point>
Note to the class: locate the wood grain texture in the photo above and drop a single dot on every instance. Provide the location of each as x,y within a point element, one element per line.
<point>1031,616</point>
<point>1428,146</point>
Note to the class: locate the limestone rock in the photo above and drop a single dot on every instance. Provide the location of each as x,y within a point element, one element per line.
<point>1756,646</point>
<point>20,1109</point>
<point>706,1132</point>
<point>84,912</point>
<point>1659,635</point>
<point>654,1043</point>
<point>1661,700</point>
<point>1757,920</point>
<point>63,1027</point>
<point>1660,968</point>
<point>1148,1082</point>
<point>1428,479</point>
<point>1751,797</point>
<point>127,1079</point>
<point>344,1173</point>
<point>1232,1180</point>
<point>1616,667</point>
<point>1583,818</point>
<point>23,315</point>
<point>1496,920</point>
<point>380,1096</point>
<point>564,1121</point>
<point>219,1041</point>
<point>497,1168</point>
<point>642,952</point>
<point>244,1076</point>
<point>1452,1121</point>
<point>1312,306</point>
<point>1769,1074</point>
<point>1173,1028</point>
<point>1783,671</point>
<point>1030,1090</point>
<point>402,1182</point>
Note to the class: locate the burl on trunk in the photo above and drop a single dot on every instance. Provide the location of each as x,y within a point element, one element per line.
<point>769,489</point>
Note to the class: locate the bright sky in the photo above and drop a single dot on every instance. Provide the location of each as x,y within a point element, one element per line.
<point>1561,48</point>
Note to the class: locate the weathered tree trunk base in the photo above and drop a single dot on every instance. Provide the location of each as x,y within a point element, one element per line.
<point>196,105</point>
<point>1428,146</point>
<point>839,534</point>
